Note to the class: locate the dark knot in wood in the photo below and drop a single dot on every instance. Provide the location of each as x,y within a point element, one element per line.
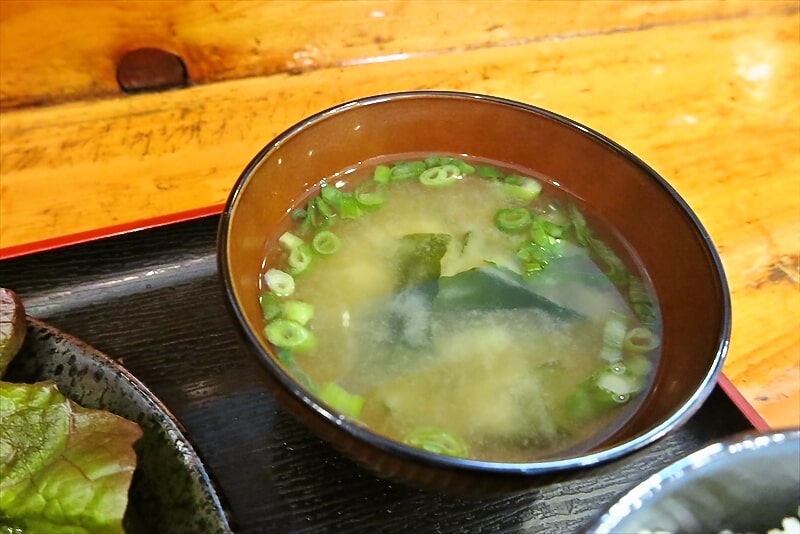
<point>150,69</point>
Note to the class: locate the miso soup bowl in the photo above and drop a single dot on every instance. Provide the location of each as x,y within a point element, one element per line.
<point>672,245</point>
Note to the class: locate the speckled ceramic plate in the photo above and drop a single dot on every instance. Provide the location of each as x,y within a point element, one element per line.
<point>171,490</point>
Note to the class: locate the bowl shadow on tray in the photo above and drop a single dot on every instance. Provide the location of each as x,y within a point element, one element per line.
<point>170,490</point>
<point>357,500</point>
<point>331,476</point>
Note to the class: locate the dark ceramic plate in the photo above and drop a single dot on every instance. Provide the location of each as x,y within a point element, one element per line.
<point>171,490</point>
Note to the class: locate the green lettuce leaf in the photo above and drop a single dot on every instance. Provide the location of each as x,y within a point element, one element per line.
<point>12,327</point>
<point>63,468</point>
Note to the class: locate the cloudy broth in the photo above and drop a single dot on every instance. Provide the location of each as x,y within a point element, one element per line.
<point>474,312</point>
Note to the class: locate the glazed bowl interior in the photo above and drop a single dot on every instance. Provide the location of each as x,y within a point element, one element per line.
<point>668,239</point>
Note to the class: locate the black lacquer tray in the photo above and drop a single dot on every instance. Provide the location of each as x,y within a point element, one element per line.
<point>151,299</point>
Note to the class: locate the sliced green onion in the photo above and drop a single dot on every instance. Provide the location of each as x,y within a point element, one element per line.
<point>618,384</point>
<point>542,248</point>
<point>288,334</point>
<point>541,236</point>
<point>289,241</point>
<point>326,242</point>
<point>437,441</point>
<point>436,161</point>
<point>641,303</point>
<point>640,340</point>
<point>441,175</point>
<point>309,221</point>
<point>313,217</point>
<point>550,228</point>
<point>270,305</point>
<point>298,311</point>
<point>299,214</point>
<point>407,169</point>
<point>615,269</point>
<point>553,214</point>
<point>349,208</point>
<point>512,220</point>
<point>534,257</point>
<point>325,209</point>
<point>341,400</point>
<point>287,360</point>
<point>305,224</point>
<point>300,259</point>
<point>371,194</point>
<point>279,282</point>
<point>464,167</point>
<point>522,187</point>
<point>613,336</point>
<point>638,364</point>
<point>331,195</point>
<point>582,232</point>
<point>488,172</point>
<point>588,401</point>
<point>382,174</point>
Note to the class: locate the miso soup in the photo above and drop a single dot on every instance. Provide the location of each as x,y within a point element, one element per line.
<point>463,307</point>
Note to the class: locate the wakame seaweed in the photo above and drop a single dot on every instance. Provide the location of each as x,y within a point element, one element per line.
<point>494,288</point>
<point>419,258</point>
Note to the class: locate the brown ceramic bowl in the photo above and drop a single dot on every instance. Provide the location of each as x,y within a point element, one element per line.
<point>674,248</point>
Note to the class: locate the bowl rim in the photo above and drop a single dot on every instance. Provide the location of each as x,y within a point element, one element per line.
<point>677,418</point>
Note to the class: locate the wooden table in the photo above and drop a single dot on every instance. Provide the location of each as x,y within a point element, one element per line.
<point>705,92</point>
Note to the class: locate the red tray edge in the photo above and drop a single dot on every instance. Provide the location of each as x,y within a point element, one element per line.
<point>747,409</point>
<point>53,243</point>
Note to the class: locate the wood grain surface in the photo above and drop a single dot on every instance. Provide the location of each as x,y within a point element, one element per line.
<point>58,50</point>
<point>705,92</point>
